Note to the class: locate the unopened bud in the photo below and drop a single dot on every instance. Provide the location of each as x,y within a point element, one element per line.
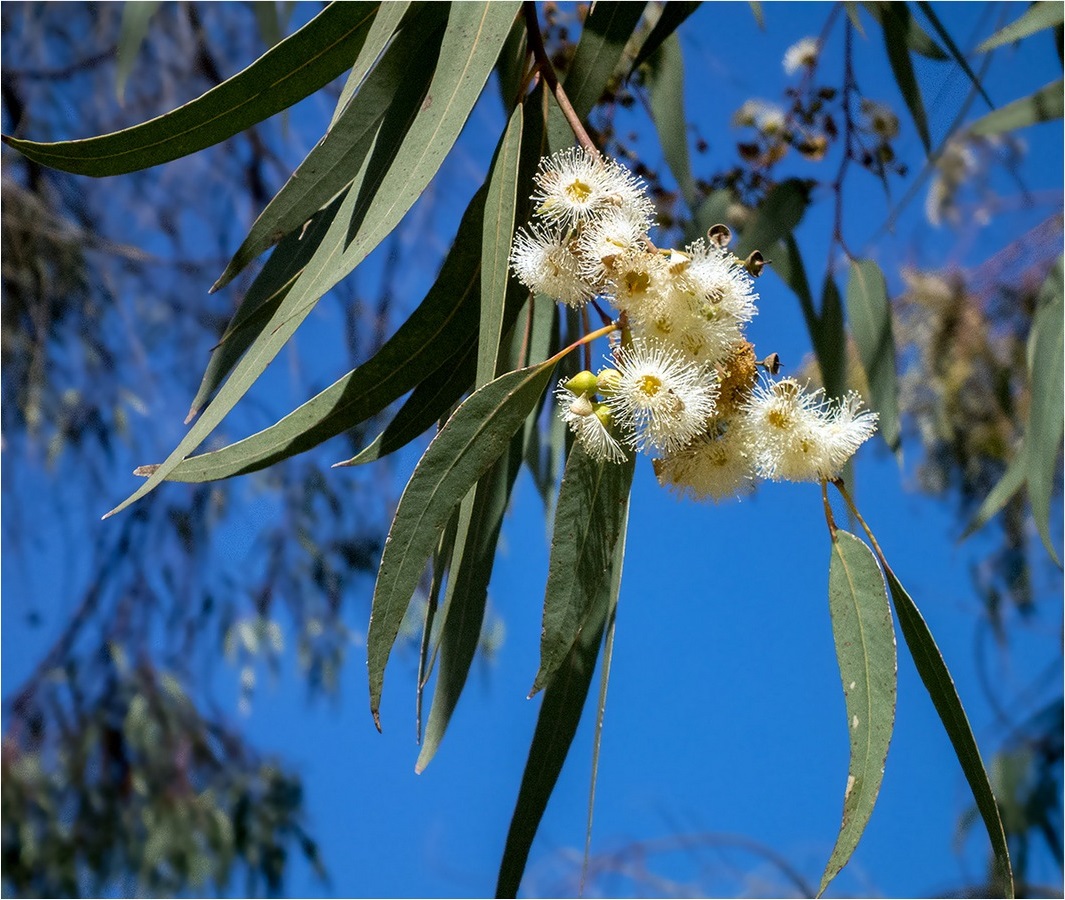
<point>582,384</point>
<point>602,413</point>
<point>719,235</point>
<point>608,381</point>
<point>755,263</point>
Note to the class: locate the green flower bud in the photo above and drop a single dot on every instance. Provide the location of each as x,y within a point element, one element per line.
<point>582,384</point>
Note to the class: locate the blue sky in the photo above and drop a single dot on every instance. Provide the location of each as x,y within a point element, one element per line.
<point>725,714</point>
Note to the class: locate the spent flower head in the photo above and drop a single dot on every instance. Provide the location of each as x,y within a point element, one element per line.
<point>715,465</point>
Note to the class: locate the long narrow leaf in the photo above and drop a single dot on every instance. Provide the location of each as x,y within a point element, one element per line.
<point>428,338</point>
<point>295,68</point>
<point>896,21</point>
<point>673,16</point>
<point>937,680</point>
<point>560,712</point>
<point>500,205</point>
<point>1046,422</point>
<point>588,520</point>
<point>665,85</point>
<point>1012,480</point>
<point>473,439</point>
<point>385,24</point>
<point>870,318</point>
<point>953,49</point>
<point>1039,16</point>
<point>133,30</point>
<point>394,88</point>
<point>865,648</point>
<point>1044,105</point>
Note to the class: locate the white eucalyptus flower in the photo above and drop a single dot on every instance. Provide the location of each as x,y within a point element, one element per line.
<point>659,399</point>
<point>615,232</point>
<point>717,279</point>
<point>802,54</point>
<point>575,184</point>
<point>544,263</point>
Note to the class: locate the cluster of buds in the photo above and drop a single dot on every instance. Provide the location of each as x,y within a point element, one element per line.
<point>684,383</point>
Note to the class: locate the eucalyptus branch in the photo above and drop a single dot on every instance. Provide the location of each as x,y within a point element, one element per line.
<point>547,72</point>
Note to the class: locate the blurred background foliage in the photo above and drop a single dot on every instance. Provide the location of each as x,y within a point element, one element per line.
<point>120,772</point>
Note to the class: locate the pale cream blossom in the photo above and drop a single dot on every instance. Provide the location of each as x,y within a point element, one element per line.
<point>545,263</point>
<point>802,54</point>
<point>715,465</point>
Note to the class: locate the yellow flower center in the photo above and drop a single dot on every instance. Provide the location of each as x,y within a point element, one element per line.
<point>578,191</point>
<point>779,418</point>
<point>636,282</point>
<point>649,385</point>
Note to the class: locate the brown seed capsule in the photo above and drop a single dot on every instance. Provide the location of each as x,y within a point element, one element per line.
<point>755,263</point>
<point>771,363</point>
<point>720,235</point>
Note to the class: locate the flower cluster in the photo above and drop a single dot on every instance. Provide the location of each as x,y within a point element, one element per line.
<point>683,385</point>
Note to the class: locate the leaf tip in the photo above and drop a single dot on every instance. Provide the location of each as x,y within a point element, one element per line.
<point>374,712</point>
<point>143,472</point>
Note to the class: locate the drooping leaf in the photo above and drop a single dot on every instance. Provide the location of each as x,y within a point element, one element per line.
<point>865,648</point>
<point>673,16</point>
<point>953,49</point>
<point>787,263</point>
<point>261,300</point>
<point>132,31</point>
<point>385,24</point>
<point>830,340</point>
<point>295,68</point>
<point>513,63</point>
<point>869,313</point>
<point>426,340</point>
<point>854,15</point>
<point>1044,105</point>
<point>940,685</point>
<point>896,21</point>
<point>471,42</point>
<point>561,708</point>
<point>606,31</point>
<point>1011,481</point>
<point>427,403</point>
<point>480,522</point>
<point>1046,422</point>
<point>758,13</point>
<point>374,121</point>
<point>496,240</point>
<point>474,438</point>
<point>906,28</point>
<point>665,85</point>
<point>779,214</point>
<point>588,520</point>
<point>1039,16</point>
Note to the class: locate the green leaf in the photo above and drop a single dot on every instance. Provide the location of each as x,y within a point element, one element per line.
<point>906,28</point>
<point>870,318</point>
<point>385,24</point>
<point>606,31</point>
<point>474,34</point>
<point>294,69</point>
<point>787,263</point>
<point>1044,105</point>
<point>261,301</point>
<point>1012,480</point>
<point>897,22</point>
<point>428,338</point>
<point>1039,16</point>
<point>513,64</point>
<point>132,32</point>
<point>1046,422</point>
<point>480,521</point>
<point>588,520</point>
<point>473,439</point>
<point>665,85</point>
<point>937,680</point>
<point>830,340</point>
<point>953,48</point>
<point>428,402</point>
<point>373,122</point>
<point>865,649</point>
<point>779,214</point>
<point>673,16</point>
<point>854,15</point>
<point>561,708</point>
<point>758,13</point>
<point>495,245</point>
